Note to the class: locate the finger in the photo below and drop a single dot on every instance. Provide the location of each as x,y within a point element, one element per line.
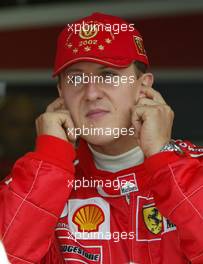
<point>140,112</point>
<point>70,130</point>
<point>67,112</point>
<point>150,93</point>
<point>146,101</point>
<point>137,126</point>
<point>67,124</point>
<point>136,122</point>
<point>56,105</point>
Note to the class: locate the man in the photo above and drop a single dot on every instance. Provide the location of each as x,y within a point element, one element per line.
<point>135,195</point>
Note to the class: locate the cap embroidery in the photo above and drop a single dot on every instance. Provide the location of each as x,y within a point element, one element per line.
<point>101,47</point>
<point>87,48</point>
<point>89,33</point>
<point>108,40</point>
<point>88,38</point>
<point>75,50</point>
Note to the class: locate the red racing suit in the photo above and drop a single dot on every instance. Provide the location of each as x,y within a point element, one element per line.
<point>53,212</point>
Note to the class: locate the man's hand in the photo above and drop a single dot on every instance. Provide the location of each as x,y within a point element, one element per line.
<point>152,119</point>
<point>55,121</point>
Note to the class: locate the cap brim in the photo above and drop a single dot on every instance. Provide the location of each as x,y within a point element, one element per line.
<point>90,59</point>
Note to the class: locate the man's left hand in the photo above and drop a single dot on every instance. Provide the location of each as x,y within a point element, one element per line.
<point>152,119</point>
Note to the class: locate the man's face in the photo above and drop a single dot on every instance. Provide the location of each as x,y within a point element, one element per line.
<point>105,103</point>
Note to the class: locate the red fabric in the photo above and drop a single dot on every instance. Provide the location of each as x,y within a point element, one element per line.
<point>106,39</point>
<point>32,199</point>
<point>57,151</point>
<point>32,205</point>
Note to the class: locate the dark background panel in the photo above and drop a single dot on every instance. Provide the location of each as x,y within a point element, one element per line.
<point>185,98</point>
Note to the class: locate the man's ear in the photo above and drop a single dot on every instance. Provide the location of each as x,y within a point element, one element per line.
<point>147,79</point>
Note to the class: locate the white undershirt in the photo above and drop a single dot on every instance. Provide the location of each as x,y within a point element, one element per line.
<point>116,163</point>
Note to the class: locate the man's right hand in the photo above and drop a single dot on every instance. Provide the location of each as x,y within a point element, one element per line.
<point>55,121</point>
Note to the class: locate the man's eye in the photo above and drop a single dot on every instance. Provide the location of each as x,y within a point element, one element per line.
<point>108,74</point>
<point>74,79</point>
<point>77,78</point>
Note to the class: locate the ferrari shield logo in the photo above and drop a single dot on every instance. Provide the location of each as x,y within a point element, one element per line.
<point>139,45</point>
<point>152,218</point>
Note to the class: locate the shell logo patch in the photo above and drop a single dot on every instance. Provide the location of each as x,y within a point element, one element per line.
<point>88,218</point>
<point>89,32</point>
<point>139,45</point>
<point>153,219</point>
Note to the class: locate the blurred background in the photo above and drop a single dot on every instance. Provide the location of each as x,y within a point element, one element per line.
<point>173,38</point>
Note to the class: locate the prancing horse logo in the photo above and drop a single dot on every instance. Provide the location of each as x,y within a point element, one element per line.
<point>152,218</point>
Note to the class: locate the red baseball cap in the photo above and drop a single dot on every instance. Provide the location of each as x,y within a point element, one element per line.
<point>99,38</point>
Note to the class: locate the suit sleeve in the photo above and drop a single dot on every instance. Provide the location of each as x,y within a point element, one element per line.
<point>177,186</point>
<point>32,199</point>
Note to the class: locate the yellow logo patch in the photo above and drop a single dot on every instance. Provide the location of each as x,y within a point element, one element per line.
<point>89,32</point>
<point>139,45</point>
<point>88,218</point>
<point>153,219</point>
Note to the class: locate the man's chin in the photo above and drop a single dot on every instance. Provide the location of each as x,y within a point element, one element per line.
<point>100,140</point>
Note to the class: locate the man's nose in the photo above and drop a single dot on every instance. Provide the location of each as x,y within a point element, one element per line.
<point>93,91</point>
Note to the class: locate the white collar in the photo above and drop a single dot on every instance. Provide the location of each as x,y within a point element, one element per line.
<point>116,163</point>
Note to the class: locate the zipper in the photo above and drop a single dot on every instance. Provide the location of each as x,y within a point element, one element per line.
<point>127,197</point>
<point>131,225</point>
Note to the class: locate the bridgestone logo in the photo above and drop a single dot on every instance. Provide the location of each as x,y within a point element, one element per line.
<point>79,251</point>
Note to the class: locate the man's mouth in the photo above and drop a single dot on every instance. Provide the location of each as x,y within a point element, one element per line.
<point>96,113</point>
